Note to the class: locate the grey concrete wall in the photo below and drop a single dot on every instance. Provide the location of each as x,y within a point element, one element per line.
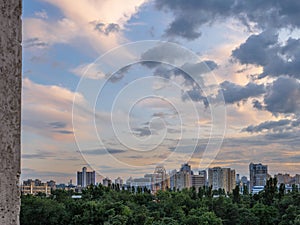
<point>10,109</point>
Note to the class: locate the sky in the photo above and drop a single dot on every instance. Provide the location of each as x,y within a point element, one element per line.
<point>123,86</point>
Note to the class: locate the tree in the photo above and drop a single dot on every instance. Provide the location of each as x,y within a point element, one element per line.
<point>281,190</point>
<point>270,190</point>
<point>245,190</point>
<point>236,194</point>
<point>209,218</point>
<point>37,211</point>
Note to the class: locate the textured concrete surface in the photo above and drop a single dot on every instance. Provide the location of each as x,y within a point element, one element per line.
<point>10,109</point>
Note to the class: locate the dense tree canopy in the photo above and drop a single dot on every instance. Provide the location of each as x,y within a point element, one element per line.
<point>108,205</point>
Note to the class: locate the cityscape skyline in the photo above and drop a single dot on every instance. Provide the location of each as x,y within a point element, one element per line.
<point>258,168</point>
<point>120,88</point>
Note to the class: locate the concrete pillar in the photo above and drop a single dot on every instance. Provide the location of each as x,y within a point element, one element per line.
<point>10,109</point>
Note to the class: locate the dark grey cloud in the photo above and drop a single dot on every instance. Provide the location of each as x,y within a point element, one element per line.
<point>63,131</point>
<point>235,93</point>
<point>119,74</point>
<point>184,27</point>
<point>42,154</point>
<point>169,72</point>
<point>57,124</point>
<point>195,94</point>
<point>190,15</point>
<point>199,149</point>
<point>103,151</point>
<point>163,115</point>
<point>257,104</point>
<point>28,173</point>
<point>268,126</point>
<point>34,42</point>
<point>232,93</point>
<point>38,155</point>
<point>282,96</point>
<point>276,58</point>
<point>106,28</point>
<point>112,27</point>
<point>285,62</point>
<point>143,131</point>
<point>174,131</point>
<point>288,136</point>
<point>159,114</point>
<point>158,55</point>
<point>189,71</point>
<point>257,48</point>
<point>166,52</point>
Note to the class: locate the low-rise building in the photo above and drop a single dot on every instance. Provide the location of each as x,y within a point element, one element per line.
<point>35,187</point>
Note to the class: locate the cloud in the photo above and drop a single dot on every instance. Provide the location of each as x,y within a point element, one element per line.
<point>191,15</point>
<point>29,173</point>
<point>47,110</point>
<point>235,93</point>
<point>257,104</point>
<point>268,126</point>
<point>63,131</point>
<point>103,151</point>
<point>57,124</point>
<point>143,131</point>
<point>155,103</point>
<point>173,54</point>
<point>106,28</point>
<point>80,23</point>
<point>34,42</point>
<point>163,115</point>
<point>90,71</point>
<point>94,71</point>
<point>282,96</point>
<point>39,155</point>
<point>184,27</point>
<point>42,14</point>
<point>257,48</point>
<point>41,33</point>
<point>276,58</point>
<point>119,74</point>
<point>195,94</point>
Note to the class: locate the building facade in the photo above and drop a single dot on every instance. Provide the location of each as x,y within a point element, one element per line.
<point>107,182</point>
<point>34,187</point>
<point>258,175</point>
<point>222,178</point>
<point>85,178</point>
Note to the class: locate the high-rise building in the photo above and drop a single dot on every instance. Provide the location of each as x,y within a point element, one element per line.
<point>184,177</point>
<point>106,182</point>
<point>119,182</point>
<point>238,180</point>
<point>173,179</point>
<point>297,179</point>
<point>85,178</point>
<point>160,178</point>
<point>204,174</point>
<point>283,178</point>
<point>221,178</point>
<point>51,184</point>
<point>258,175</point>
<point>215,178</point>
<point>199,180</point>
